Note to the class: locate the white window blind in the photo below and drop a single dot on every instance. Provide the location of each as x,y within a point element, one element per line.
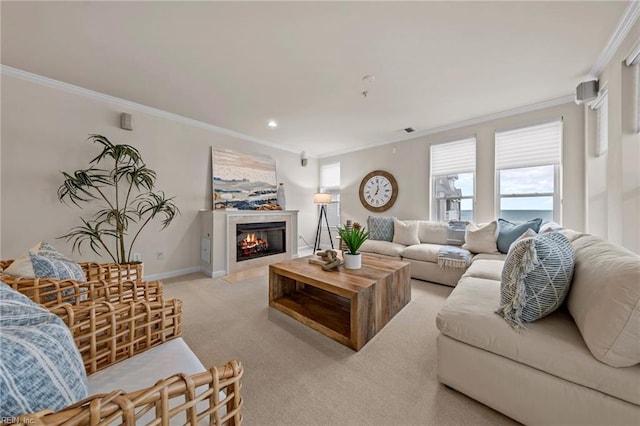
<point>453,157</point>
<point>330,176</point>
<point>601,104</point>
<point>537,145</point>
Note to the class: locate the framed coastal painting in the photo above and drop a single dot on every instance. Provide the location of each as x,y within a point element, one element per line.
<point>242,181</point>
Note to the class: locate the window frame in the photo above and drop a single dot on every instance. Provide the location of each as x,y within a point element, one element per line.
<point>433,199</point>
<point>557,174</point>
<point>556,195</point>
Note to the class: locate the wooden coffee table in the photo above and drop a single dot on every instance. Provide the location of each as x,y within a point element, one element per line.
<point>349,306</point>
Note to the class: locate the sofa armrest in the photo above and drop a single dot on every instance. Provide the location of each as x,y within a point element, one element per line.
<point>50,291</point>
<point>106,333</point>
<point>214,394</point>
<point>112,272</point>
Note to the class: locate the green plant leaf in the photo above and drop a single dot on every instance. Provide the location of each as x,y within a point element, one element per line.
<point>123,186</point>
<point>353,237</point>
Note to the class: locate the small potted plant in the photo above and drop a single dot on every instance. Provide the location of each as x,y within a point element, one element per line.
<point>353,237</point>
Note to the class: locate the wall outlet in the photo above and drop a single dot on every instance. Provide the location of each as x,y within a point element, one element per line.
<point>159,255</point>
<point>137,257</point>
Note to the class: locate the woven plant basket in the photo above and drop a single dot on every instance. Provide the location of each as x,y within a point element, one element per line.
<point>212,397</point>
<point>106,333</point>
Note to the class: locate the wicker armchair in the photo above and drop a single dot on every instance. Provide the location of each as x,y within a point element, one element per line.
<point>107,282</point>
<point>107,333</point>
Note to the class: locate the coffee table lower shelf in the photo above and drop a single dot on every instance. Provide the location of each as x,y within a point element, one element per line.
<point>324,312</point>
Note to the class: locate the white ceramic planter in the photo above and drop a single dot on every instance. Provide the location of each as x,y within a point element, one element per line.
<point>352,261</point>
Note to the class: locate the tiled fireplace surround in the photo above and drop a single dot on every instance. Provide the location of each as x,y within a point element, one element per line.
<point>219,233</point>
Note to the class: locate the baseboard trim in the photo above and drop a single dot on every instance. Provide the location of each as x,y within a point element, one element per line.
<point>213,274</point>
<point>171,274</point>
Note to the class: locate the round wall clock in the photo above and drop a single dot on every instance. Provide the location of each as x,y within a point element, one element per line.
<point>378,191</point>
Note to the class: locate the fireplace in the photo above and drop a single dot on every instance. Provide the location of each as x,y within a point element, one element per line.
<point>260,239</point>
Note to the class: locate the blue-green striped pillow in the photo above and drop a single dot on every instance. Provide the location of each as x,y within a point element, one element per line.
<point>536,277</point>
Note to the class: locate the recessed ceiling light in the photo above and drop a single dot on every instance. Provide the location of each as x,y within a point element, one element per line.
<point>272,123</point>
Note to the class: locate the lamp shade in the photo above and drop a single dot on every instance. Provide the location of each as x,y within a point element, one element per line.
<point>321,198</point>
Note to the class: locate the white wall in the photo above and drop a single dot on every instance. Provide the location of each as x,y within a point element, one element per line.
<point>613,179</point>
<point>44,131</point>
<point>410,166</point>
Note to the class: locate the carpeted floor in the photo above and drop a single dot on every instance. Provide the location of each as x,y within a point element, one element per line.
<point>296,376</point>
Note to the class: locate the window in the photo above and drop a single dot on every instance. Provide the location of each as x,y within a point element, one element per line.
<point>330,183</point>
<point>453,167</point>
<point>528,172</point>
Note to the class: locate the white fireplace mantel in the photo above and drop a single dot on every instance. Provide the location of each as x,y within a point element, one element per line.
<point>217,259</point>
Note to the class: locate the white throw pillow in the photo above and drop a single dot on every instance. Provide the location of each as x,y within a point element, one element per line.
<point>405,233</point>
<point>481,239</point>
<point>22,266</point>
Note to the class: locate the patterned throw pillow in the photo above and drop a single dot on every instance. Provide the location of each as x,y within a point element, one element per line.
<point>24,266</point>
<point>56,267</point>
<point>536,278</point>
<point>380,228</point>
<point>40,367</point>
<point>509,232</point>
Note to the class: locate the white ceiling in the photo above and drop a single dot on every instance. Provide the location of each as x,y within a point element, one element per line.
<point>237,64</point>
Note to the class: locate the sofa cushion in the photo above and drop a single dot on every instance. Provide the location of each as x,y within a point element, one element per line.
<point>41,367</point>
<point>605,300</point>
<point>552,344</point>
<point>432,232</point>
<point>405,233</point>
<point>535,278</point>
<point>490,269</point>
<point>509,232</point>
<point>423,252</point>
<point>481,239</point>
<point>145,369</point>
<point>380,228</point>
<point>386,248</point>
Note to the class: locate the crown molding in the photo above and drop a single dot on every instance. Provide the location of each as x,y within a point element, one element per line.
<point>77,90</point>
<point>482,119</point>
<point>634,56</point>
<point>627,20</point>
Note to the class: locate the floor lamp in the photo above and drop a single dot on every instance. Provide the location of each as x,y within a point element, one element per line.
<point>323,200</point>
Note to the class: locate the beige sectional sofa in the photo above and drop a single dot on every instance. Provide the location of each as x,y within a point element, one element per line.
<point>423,256</point>
<point>578,365</point>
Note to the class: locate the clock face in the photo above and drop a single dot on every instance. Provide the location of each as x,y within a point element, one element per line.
<point>378,191</point>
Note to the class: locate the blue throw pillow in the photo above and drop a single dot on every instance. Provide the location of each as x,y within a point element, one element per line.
<point>508,232</point>
<point>40,367</point>
<point>380,228</point>
<point>18,309</point>
<point>56,267</point>
<point>536,277</point>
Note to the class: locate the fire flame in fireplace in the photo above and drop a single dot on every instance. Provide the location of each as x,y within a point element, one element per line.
<point>251,244</point>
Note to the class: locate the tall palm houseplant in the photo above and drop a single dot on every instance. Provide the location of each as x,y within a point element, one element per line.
<point>123,185</point>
